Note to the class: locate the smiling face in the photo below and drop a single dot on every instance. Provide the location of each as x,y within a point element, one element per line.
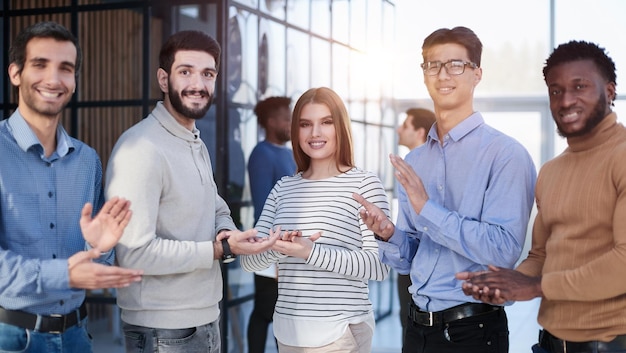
<point>451,92</point>
<point>47,80</point>
<point>190,86</point>
<point>316,134</point>
<point>579,97</point>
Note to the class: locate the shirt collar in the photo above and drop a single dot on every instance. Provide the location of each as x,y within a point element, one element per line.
<point>463,128</point>
<point>26,138</point>
<point>170,124</point>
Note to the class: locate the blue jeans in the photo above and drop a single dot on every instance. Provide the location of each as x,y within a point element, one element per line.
<point>201,339</point>
<point>16,339</point>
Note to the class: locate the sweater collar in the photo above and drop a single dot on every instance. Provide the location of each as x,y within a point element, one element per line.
<point>172,126</point>
<point>600,134</point>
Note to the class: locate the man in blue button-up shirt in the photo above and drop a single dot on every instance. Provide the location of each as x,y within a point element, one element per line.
<point>465,198</point>
<point>50,250</point>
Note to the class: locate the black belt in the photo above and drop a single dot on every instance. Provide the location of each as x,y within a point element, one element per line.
<point>555,345</point>
<point>51,324</point>
<point>436,318</point>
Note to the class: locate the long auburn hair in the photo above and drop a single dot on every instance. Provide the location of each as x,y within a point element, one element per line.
<point>326,96</point>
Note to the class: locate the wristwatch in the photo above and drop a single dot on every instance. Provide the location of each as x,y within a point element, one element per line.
<point>228,256</point>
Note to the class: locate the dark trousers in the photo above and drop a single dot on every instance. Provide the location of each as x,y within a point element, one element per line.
<point>265,294</point>
<point>485,333</point>
<point>404,282</point>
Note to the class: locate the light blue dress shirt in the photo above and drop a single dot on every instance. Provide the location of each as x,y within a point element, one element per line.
<point>40,203</point>
<point>480,183</point>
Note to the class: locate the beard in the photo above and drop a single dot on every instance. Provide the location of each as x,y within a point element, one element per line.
<point>596,116</point>
<point>188,112</point>
<point>284,136</point>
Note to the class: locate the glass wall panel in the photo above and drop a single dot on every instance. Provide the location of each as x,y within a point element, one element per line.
<point>358,24</point>
<point>298,64</point>
<point>320,12</point>
<point>359,142</point>
<point>242,69</point>
<point>274,35</point>
<point>603,24</point>
<point>298,13</point>
<point>320,68</point>
<point>276,8</point>
<point>385,171</point>
<point>253,3</point>
<point>373,159</point>
<point>341,20</point>
<point>358,77</point>
<point>340,69</point>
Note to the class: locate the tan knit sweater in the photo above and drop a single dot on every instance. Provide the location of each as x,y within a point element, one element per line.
<point>579,237</point>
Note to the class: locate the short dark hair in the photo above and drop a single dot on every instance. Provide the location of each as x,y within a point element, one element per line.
<point>581,50</point>
<point>458,35</point>
<point>266,107</point>
<point>421,118</point>
<point>188,40</point>
<point>47,29</point>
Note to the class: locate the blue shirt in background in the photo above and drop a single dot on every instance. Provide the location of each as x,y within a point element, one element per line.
<point>267,164</point>
<point>480,184</point>
<point>40,204</point>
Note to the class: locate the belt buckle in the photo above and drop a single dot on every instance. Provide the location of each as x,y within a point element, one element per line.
<point>59,316</point>
<point>431,321</point>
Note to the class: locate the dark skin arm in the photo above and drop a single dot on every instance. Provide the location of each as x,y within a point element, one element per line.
<point>499,285</point>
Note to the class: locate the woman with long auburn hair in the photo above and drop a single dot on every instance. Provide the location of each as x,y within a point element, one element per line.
<point>325,254</point>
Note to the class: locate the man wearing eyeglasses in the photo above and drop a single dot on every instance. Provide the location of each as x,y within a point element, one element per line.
<point>465,198</point>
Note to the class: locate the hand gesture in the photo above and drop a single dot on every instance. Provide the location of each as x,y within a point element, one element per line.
<point>411,182</point>
<point>247,243</point>
<point>106,229</point>
<point>374,218</point>
<point>292,243</point>
<point>499,285</point>
<point>86,274</point>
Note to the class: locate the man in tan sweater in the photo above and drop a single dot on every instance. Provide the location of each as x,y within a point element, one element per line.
<point>578,255</point>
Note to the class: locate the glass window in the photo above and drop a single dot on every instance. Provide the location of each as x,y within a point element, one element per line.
<point>358,24</point>
<point>275,35</point>
<point>340,68</point>
<point>298,65</point>
<point>252,3</point>
<point>243,58</point>
<point>341,20</point>
<point>320,11</point>
<point>275,8</point>
<point>358,78</point>
<point>298,13</point>
<point>320,68</point>
<point>604,25</point>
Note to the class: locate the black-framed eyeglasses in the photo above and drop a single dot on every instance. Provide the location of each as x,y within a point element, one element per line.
<point>453,67</point>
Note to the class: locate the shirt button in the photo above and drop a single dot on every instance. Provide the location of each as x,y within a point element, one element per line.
<point>50,194</point>
<point>425,229</point>
<point>51,225</point>
<point>54,256</point>
<point>62,302</point>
